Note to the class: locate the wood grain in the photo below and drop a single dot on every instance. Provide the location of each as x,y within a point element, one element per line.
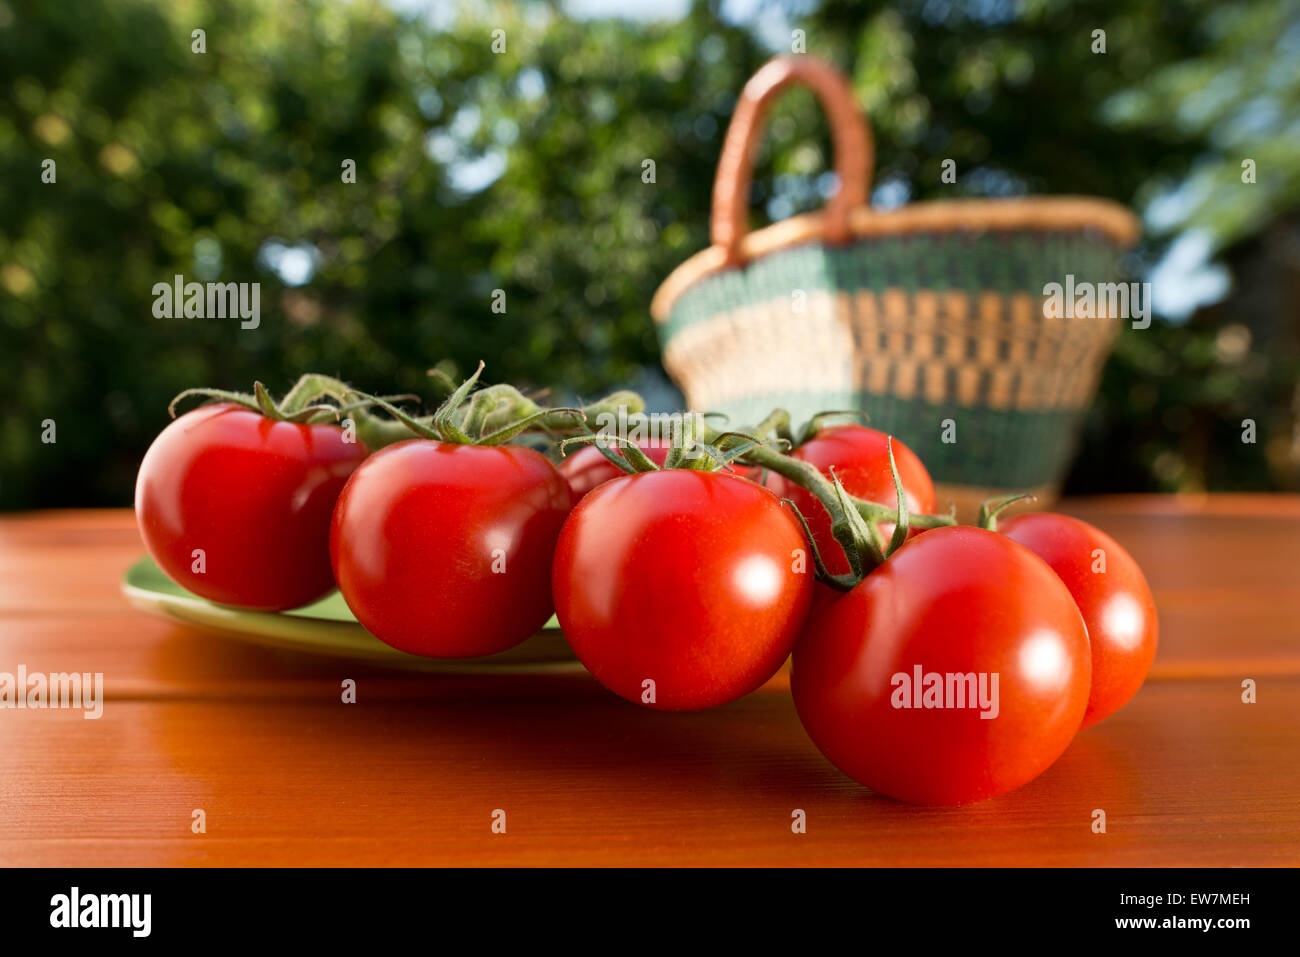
<point>286,774</point>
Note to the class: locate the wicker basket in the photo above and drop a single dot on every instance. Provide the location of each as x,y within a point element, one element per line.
<point>928,317</point>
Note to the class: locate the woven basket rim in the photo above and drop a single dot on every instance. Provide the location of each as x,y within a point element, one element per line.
<point>1032,214</point>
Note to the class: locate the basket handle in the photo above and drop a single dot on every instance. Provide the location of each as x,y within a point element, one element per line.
<point>851,141</point>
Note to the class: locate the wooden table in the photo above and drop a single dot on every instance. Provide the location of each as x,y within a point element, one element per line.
<point>286,774</point>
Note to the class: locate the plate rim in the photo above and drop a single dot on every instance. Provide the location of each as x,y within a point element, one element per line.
<point>232,623</point>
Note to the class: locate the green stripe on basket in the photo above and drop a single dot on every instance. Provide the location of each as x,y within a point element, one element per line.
<point>999,448</point>
<point>1004,263</point>
<point>1012,448</point>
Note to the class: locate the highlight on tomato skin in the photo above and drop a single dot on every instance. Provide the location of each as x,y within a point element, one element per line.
<point>235,507</point>
<point>860,457</point>
<point>1112,594</point>
<point>444,550</point>
<point>682,589</point>
<point>957,671</point>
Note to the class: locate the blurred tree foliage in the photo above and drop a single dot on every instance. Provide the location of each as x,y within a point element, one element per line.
<point>522,171</point>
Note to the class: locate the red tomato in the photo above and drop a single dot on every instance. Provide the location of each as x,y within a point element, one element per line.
<point>960,602</point>
<point>236,507</point>
<point>445,550</point>
<point>587,468</point>
<point>695,581</point>
<point>860,457</point>
<point>1112,595</point>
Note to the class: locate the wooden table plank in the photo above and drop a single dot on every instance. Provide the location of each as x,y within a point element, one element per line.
<point>1187,775</point>
<point>287,774</point>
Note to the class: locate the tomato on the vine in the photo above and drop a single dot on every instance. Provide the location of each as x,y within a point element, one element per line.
<point>956,671</point>
<point>235,506</point>
<point>444,550</point>
<point>682,588</point>
<point>1112,595</point>
<point>860,457</point>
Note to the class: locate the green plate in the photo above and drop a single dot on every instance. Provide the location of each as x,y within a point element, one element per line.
<point>329,628</point>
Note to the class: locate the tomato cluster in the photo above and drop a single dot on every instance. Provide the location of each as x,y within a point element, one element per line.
<point>936,663</point>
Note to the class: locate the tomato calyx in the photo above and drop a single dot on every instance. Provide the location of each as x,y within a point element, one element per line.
<point>824,420</point>
<point>855,522</point>
<point>810,478</point>
<point>313,399</point>
<point>991,508</point>
<point>688,449</point>
<point>492,415</point>
<point>778,421</point>
<point>861,540</point>
<point>633,460</point>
